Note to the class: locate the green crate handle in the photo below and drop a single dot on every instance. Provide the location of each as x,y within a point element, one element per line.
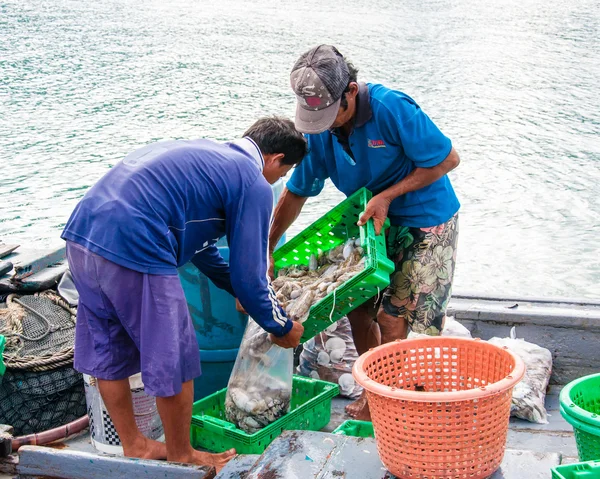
<point>214,424</point>
<point>587,470</point>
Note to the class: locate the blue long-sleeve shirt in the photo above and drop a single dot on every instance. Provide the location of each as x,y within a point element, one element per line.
<point>169,202</point>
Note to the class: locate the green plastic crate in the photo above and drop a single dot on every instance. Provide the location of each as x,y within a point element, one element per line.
<point>310,410</point>
<point>580,470</point>
<point>331,230</point>
<point>356,429</point>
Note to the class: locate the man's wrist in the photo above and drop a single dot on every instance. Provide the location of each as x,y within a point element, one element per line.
<point>388,195</point>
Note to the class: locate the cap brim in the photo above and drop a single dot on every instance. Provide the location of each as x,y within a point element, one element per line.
<point>316,121</point>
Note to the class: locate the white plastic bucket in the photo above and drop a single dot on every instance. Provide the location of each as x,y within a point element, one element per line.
<point>102,430</point>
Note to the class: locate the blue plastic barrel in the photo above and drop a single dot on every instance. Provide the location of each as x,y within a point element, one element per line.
<point>219,326</point>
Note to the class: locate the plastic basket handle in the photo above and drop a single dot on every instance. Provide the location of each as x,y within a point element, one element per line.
<point>368,230</point>
<point>214,424</point>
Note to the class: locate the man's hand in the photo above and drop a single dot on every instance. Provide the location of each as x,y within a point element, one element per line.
<point>291,339</point>
<point>239,307</point>
<point>377,209</point>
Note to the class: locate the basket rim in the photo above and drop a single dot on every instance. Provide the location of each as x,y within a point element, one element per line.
<point>572,409</point>
<point>577,424</point>
<point>451,396</point>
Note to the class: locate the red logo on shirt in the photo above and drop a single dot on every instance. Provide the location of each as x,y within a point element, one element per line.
<point>375,143</point>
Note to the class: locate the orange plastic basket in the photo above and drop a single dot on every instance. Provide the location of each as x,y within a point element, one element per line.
<point>440,406</point>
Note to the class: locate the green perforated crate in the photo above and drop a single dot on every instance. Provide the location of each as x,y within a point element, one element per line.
<point>580,470</point>
<point>356,429</point>
<point>580,406</point>
<point>331,230</point>
<point>310,411</point>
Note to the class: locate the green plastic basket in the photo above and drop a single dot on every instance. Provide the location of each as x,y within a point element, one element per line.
<point>331,230</point>
<point>587,437</point>
<point>580,406</point>
<point>356,429</point>
<point>310,410</point>
<point>580,470</point>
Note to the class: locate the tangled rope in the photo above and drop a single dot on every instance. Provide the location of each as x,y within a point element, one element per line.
<point>11,326</point>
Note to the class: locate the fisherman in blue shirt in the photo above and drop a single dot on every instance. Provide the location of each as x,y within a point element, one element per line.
<point>162,206</point>
<point>367,135</point>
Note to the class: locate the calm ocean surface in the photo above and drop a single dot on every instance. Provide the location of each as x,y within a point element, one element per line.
<point>513,83</point>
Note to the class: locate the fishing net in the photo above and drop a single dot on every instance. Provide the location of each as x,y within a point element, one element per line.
<point>39,331</point>
<point>40,389</point>
<point>37,401</point>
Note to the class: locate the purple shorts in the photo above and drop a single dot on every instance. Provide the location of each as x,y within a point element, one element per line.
<point>129,322</point>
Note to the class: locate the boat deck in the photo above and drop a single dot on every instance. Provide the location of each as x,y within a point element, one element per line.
<point>532,449</point>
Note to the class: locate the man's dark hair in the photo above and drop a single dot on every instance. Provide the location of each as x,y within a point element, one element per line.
<point>278,135</point>
<point>353,71</point>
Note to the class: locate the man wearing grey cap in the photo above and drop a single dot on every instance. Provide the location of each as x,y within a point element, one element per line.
<point>367,135</point>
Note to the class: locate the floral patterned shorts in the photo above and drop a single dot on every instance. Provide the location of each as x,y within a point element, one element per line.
<point>421,285</point>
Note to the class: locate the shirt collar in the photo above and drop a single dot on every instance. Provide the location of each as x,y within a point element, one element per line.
<point>248,145</point>
<point>363,106</point>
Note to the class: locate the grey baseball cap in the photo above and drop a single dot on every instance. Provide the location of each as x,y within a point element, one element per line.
<point>319,78</point>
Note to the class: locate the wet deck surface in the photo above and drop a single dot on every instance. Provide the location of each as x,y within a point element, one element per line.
<point>317,455</point>
<point>532,449</point>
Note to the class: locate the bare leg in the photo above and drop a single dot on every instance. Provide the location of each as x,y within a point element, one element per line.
<point>392,327</point>
<point>117,398</point>
<point>176,415</point>
<point>365,330</point>
<point>366,335</point>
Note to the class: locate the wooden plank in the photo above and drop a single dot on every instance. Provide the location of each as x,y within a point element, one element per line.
<point>44,279</point>
<point>6,249</point>
<point>37,461</point>
<point>5,267</point>
<point>24,268</point>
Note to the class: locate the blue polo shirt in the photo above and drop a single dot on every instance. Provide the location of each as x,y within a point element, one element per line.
<point>392,136</point>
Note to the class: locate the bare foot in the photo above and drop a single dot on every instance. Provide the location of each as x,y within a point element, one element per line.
<point>144,448</point>
<point>207,459</point>
<point>359,409</point>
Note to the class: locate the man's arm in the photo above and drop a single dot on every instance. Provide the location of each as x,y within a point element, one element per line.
<point>211,264</point>
<point>422,177</point>
<point>307,180</point>
<point>286,212</point>
<point>247,219</point>
<point>419,178</point>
